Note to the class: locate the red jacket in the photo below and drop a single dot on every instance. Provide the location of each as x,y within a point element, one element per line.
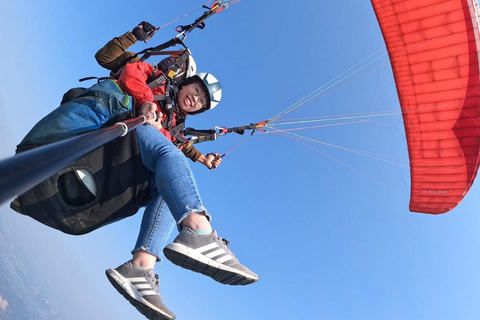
<point>133,80</point>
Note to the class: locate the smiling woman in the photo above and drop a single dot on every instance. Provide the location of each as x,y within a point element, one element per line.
<point>151,154</point>
<point>207,92</point>
<point>173,196</point>
<point>191,98</point>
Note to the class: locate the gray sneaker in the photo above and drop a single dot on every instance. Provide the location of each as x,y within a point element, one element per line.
<point>140,288</point>
<point>208,254</point>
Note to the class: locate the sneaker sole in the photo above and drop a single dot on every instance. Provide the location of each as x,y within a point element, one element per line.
<point>126,289</point>
<point>189,259</point>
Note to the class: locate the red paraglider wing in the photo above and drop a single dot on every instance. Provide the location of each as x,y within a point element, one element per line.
<point>434,53</point>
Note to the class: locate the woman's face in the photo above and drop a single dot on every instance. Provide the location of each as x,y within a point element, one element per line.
<point>191,98</point>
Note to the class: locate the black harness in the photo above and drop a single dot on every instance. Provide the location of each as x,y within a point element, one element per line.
<point>175,121</point>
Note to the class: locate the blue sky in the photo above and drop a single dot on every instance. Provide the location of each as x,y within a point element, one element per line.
<point>328,230</point>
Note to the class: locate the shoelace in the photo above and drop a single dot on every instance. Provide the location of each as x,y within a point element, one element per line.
<point>226,243</point>
<point>157,283</point>
<point>156,280</point>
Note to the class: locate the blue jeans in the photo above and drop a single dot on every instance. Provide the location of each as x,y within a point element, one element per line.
<point>174,190</point>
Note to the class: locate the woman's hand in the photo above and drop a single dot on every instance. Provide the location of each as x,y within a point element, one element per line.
<point>150,108</point>
<point>213,160</point>
<point>144,31</point>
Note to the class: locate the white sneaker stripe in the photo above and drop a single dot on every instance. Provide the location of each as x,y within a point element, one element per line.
<point>148,293</point>
<point>224,258</point>
<point>139,279</point>
<point>215,253</point>
<point>207,247</point>
<point>142,286</point>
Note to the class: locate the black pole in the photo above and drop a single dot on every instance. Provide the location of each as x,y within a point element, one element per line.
<point>25,170</point>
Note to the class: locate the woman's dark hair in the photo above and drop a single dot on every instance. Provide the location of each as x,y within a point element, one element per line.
<point>203,88</point>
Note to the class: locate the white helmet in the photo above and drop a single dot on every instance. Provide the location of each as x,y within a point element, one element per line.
<point>191,67</point>
<point>214,88</point>
<point>189,71</point>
